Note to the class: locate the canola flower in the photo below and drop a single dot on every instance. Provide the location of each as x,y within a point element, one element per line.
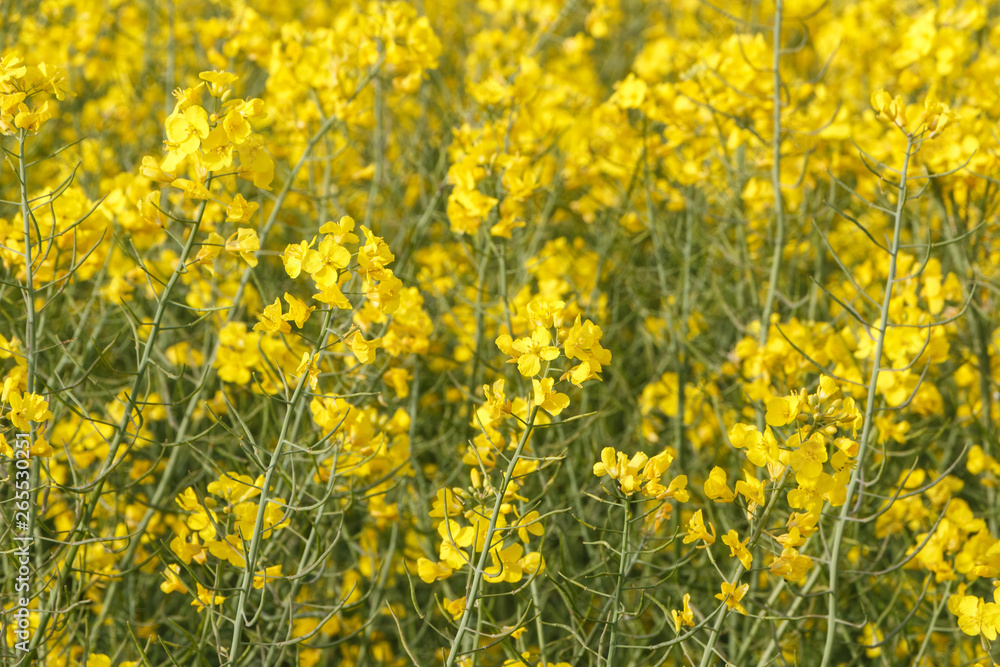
<point>501,333</point>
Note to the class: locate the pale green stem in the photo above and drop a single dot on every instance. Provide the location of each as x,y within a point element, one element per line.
<point>379,148</point>
<point>539,629</point>
<point>917,660</point>
<point>757,532</point>
<point>779,206</point>
<point>121,429</point>
<point>208,366</point>
<point>680,336</point>
<point>783,625</point>
<point>477,578</point>
<point>29,287</point>
<point>838,536</point>
<point>30,351</point>
<point>255,540</point>
<point>620,583</point>
<point>171,60</point>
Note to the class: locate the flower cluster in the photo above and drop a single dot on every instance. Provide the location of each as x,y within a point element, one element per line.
<point>501,333</point>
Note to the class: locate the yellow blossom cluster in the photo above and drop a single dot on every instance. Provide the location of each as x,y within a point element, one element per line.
<point>500,333</point>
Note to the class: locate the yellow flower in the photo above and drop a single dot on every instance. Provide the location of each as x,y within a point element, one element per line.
<point>506,565</point>
<point>332,296</point>
<point>546,398</point>
<point>272,320</point>
<point>255,164</point>
<point>655,468</point>
<point>732,596</point>
<point>583,342</point>
<point>240,210</point>
<point>976,616</point>
<point>53,76</point>
<point>455,607</point>
<point>791,565</point>
<point>8,348</point>
<point>935,116</point>
<point>618,466</point>
<point>467,208</point>
<point>782,411</point>
<point>219,80</point>
<point>27,408</point>
<point>374,254</point>
<point>294,256</point>
<point>808,458</point>
<point>454,540</point>
<point>533,563</point>
<point>871,635</point>
<point>149,210</point>
<point>342,231</point>
<point>422,44</point>
<point>827,387</point>
<point>685,616</point>
<point>752,489</point>
<point>738,549</point>
<point>217,151</point>
<point>29,120</point>
<point>235,124</point>
<point>890,108</point>
<point>497,405</point>
<point>173,583</point>
<point>399,380</point>
<point>580,374</point>
<point>265,575</point>
<point>229,549</point>
<point>151,170</point>
<point>298,311</point>
<point>608,464</point>
<point>188,551</point>
<point>204,598</point>
<point>244,243</point>
<point>12,67</point>
<point>307,364</point>
<point>210,249</point>
<point>429,571</point>
<point>529,525</point>
<point>528,352</point>
<point>716,487</point>
<point>186,129</point>
<point>322,264</point>
<point>363,349</point>
<point>696,530</point>
<point>630,93</point>
<point>193,189</point>
<point>236,488</point>
<point>762,448</point>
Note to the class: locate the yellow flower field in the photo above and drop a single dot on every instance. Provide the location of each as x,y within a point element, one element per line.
<point>564,333</point>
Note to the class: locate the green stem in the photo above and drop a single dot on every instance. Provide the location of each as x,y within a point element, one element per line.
<point>120,431</point>
<point>779,206</point>
<point>539,629</point>
<point>755,537</point>
<point>918,660</point>
<point>779,632</point>
<point>477,578</point>
<point>255,540</point>
<point>209,366</point>
<point>838,536</point>
<point>616,604</point>
<point>30,351</point>
<point>29,287</point>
